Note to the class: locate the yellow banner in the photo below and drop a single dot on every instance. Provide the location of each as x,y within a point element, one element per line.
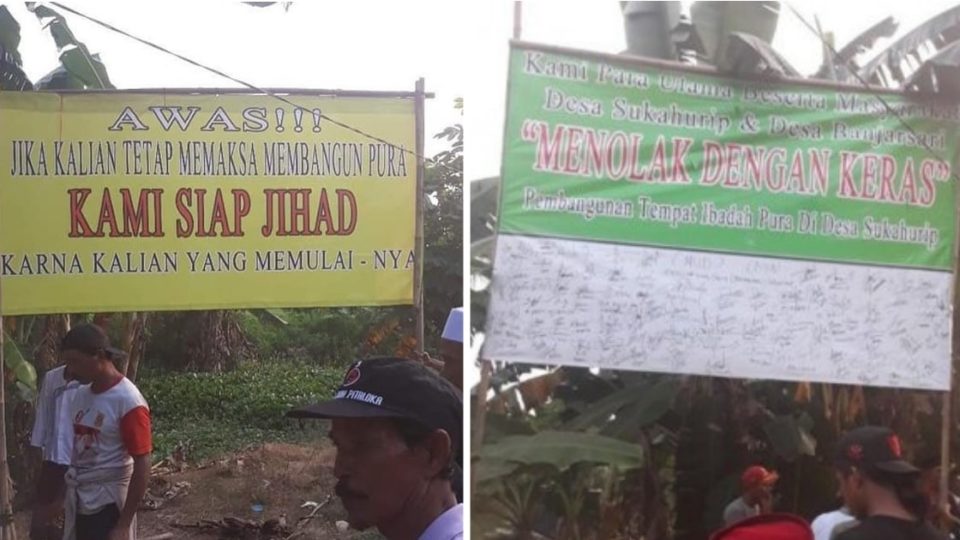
<point>121,202</point>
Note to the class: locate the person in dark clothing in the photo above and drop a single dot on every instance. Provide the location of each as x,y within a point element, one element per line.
<point>396,426</point>
<point>880,488</point>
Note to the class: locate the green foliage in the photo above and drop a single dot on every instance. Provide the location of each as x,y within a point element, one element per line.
<point>563,449</point>
<point>12,76</point>
<point>443,234</point>
<point>10,35</point>
<point>333,336</point>
<point>789,438</point>
<point>23,371</point>
<point>634,405</point>
<point>213,413</point>
<point>82,69</point>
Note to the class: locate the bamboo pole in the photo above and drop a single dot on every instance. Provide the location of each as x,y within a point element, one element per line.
<point>305,92</point>
<point>486,367</point>
<point>418,247</point>
<point>945,454</point>
<point>480,415</point>
<point>946,424</point>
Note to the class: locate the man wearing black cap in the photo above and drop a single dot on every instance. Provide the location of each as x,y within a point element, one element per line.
<point>880,488</point>
<point>396,426</point>
<point>110,463</point>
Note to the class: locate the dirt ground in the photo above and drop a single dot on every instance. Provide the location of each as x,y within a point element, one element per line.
<point>282,476</point>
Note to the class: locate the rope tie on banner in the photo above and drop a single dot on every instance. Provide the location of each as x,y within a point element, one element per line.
<point>246,84</point>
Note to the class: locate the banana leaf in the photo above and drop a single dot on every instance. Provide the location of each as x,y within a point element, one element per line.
<point>12,76</point>
<point>789,438</point>
<point>845,57</point>
<point>23,371</point>
<point>10,35</point>
<point>938,32</point>
<point>563,449</point>
<point>74,55</point>
<point>485,470</point>
<point>938,75</point>
<point>637,405</point>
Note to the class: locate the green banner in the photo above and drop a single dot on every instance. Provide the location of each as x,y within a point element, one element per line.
<point>616,150</point>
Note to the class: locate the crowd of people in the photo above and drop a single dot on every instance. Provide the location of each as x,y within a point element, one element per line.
<point>397,427</point>
<point>396,424</point>
<point>882,497</point>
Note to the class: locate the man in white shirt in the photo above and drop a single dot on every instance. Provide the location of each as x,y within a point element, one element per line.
<point>53,435</point>
<point>827,525</point>
<point>397,426</point>
<point>112,442</point>
<point>450,365</point>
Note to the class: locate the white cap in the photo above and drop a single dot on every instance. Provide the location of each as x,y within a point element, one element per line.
<point>453,330</point>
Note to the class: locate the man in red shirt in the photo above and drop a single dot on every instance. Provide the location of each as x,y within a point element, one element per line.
<point>110,466</point>
<point>756,484</point>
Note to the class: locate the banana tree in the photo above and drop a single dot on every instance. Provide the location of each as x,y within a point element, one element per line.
<point>909,54</point>
<point>78,69</point>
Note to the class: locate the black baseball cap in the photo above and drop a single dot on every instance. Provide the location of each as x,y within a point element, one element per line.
<point>89,339</point>
<point>873,447</point>
<point>393,388</point>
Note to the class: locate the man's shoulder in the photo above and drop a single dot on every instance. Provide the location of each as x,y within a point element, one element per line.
<point>866,530</point>
<point>879,529</point>
<point>53,379</point>
<point>830,519</point>
<point>128,393</point>
<point>735,509</point>
<point>122,397</point>
<point>736,504</point>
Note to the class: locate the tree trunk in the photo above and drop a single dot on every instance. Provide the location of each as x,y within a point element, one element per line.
<point>135,345</point>
<point>216,341</point>
<point>48,351</point>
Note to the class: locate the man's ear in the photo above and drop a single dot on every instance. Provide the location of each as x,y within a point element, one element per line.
<point>439,450</point>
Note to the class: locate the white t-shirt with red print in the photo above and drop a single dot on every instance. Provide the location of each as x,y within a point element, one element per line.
<point>109,427</point>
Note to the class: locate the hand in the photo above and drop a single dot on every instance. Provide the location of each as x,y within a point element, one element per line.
<point>425,359</point>
<point>120,532</point>
<point>766,503</point>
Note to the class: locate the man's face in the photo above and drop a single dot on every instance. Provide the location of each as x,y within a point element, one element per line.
<point>377,474</point>
<point>79,366</point>
<point>451,353</point>
<point>853,493</point>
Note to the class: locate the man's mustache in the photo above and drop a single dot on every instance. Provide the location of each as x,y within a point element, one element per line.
<point>342,491</point>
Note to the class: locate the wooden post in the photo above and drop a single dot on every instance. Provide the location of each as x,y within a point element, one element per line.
<point>947,428</point>
<point>945,452</point>
<point>418,247</point>
<point>480,414</point>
